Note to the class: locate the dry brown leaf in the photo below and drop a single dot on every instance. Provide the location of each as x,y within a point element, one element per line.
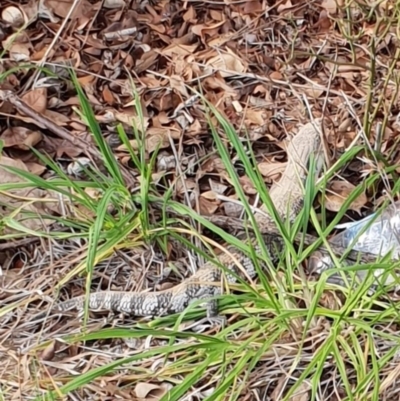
<point>62,8</point>
<point>157,28</point>
<point>108,96</point>
<point>256,117</point>
<point>190,14</point>
<point>203,29</point>
<point>338,192</point>
<point>20,137</point>
<point>324,22</point>
<point>49,352</point>
<point>217,187</point>
<point>284,7</point>
<point>20,51</point>
<point>253,7</point>
<point>209,195</point>
<point>213,164</point>
<point>35,168</point>
<point>276,75</point>
<point>182,187</point>
<point>233,209</point>
<point>194,129</point>
<point>56,117</point>
<point>228,64</point>
<point>59,147</point>
<point>130,118</point>
<point>179,50</point>
<point>36,99</point>
<point>207,207</point>
<point>247,185</point>
<point>314,91</point>
<point>155,138</point>
<point>218,83</point>
<point>178,84</point>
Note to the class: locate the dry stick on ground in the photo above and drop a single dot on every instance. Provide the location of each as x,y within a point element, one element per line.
<point>18,243</point>
<point>61,132</point>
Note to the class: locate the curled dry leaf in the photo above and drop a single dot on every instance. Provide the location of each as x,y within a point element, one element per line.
<point>337,193</point>
<point>149,391</point>
<point>202,29</point>
<point>49,352</point>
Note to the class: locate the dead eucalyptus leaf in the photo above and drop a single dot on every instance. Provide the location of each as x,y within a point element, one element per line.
<point>20,137</point>
<point>227,64</point>
<point>337,193</point>
<point>36,99</point>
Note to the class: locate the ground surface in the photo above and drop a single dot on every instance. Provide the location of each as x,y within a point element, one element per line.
<point>266,67</point>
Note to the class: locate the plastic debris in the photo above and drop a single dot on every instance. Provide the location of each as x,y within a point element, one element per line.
<point>377,234</point>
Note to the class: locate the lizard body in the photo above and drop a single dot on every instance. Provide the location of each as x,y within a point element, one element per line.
<point>205,283</point>
<point>287,196</point>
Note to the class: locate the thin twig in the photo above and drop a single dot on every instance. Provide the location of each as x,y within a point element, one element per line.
<point>18,243</point>
<point>44,121</point>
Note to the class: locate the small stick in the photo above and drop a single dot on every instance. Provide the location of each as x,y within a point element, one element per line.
<point>9,96</point>
<point>18,243</point>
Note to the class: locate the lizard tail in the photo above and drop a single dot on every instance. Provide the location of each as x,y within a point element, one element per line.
<point>138,304</point>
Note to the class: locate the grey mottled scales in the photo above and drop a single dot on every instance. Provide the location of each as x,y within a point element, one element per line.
<point>207,282</point>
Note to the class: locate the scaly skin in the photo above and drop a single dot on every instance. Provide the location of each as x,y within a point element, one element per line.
<point>287,196</point>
